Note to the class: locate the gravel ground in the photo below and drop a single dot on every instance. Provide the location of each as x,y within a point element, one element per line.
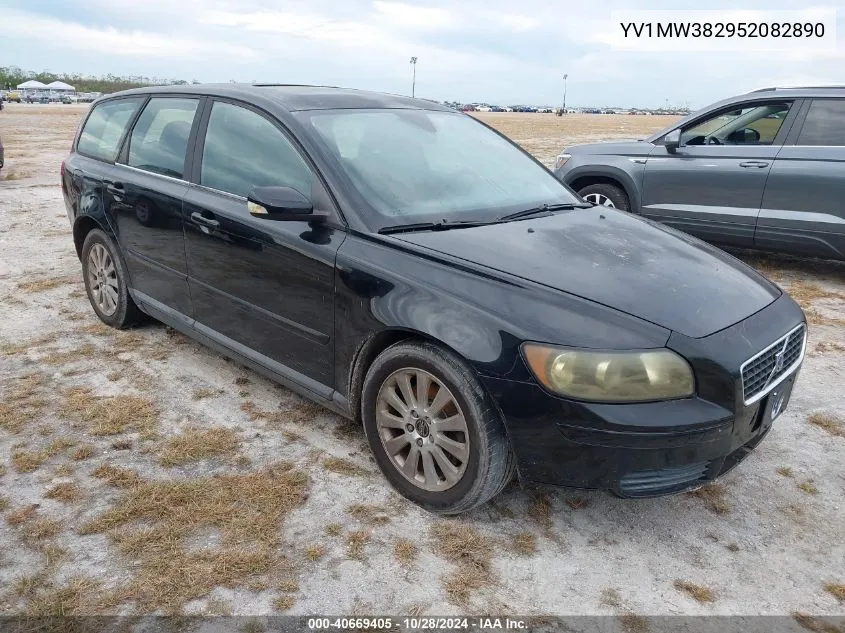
<point>134,470</point>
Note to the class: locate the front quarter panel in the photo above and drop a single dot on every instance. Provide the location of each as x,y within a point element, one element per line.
<point>384,285</point>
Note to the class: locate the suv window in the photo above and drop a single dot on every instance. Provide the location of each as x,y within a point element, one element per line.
<point>825,123</point>
<point>159,139</point>
<point>105,127</point>
<point>756,124</point>
<point>244,150</point>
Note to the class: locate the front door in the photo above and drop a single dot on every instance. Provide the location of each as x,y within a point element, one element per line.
<point>147,187</point>
<point>712,185</point>
<point>262,287</point>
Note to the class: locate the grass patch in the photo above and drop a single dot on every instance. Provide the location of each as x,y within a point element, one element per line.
<point>42,285</point>
<point>369,514</point>
<point>78,596</point>
<point>110,415</point>
<point>28,461</point>
<point>117,476</point>
<point>283,603</point>
<point>713,496</point>
<point>541,511</point>
<point>471,552</point>
<point>41,528</point>
<point>699,593</point>
<point>809,487</point>
<point>202,394</point>
<point>295,414</point>
<point>827,422</point>
<point>576,503</point>
<point>21,515</point>
<point>4,503</point>
<point>805,292</point>
<point>59,445</point>
<point>334,529</point>
<point>153,519</point>
<point>355,542</point>
<point>288,586</point>
<point>785,471</point>
<point>122,445</point>
<point>195,444</point>
<point>12,349</point>
<point>65,492</point>
<point>817,625</point>
<point>633,623</point>
<point>344,466</point>
<point>315,552</point>
<point>610,597</point>
<point>405,551</point>
<point>82,452</point>
<point>824,347</point>
<point>524,543</point>
<point>241,380</point>
<point>21,403</point>
<point>837,590</point>
<point>70,356</point>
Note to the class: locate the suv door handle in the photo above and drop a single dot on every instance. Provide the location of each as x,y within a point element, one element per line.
<point>116,189</point>
<point>754,163</point>
<point>199,218</point>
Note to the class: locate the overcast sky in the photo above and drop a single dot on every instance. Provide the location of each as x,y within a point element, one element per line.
<point>504,52</point>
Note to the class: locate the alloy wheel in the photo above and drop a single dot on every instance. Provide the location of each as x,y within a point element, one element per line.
<point>600,200</point>
<point>422,429</point>
<point>102,279</point>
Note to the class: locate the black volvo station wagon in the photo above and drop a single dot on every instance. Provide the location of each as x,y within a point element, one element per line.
<point>407,266</point>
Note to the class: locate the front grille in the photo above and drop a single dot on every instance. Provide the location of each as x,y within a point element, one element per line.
<point>662,481</point>
<point>764,369</point>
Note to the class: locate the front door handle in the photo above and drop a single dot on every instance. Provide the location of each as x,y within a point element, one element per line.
<point>116,189</point>
<point>199,218</point>
<point>759,164</point>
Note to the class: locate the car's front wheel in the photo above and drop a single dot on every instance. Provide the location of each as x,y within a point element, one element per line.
<point>435,433</point>
<point>605,195</point>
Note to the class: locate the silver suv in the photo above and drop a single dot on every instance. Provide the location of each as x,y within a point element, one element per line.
<point>763,170</point>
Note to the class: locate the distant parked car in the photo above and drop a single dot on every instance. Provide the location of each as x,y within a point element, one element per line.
<point>763,170</point>
<point>1,154</point>
<point>66,99</point>
<point>13,96</point>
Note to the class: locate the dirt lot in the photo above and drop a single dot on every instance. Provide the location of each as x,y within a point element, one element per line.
<point>140,471</point>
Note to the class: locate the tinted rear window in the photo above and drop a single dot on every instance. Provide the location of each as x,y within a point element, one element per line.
<point>105,127</point>
<point>825,123</point>
<point>159,139</point>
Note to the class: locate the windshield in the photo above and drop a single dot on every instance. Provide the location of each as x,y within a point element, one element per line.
<point>421,165</point>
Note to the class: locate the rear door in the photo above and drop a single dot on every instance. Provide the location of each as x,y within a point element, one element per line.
<point>147,187</point>
<point>803,208</point>
<point>712,186</point>
<point>261,287</point>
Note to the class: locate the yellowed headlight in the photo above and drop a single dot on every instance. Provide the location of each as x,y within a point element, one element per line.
<point>611,376</point>
<point>255,209</point>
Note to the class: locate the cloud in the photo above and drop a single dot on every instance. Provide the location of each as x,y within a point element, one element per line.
<point>416,17</point>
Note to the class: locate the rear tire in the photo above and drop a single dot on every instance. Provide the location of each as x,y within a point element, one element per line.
<point>469,456</point>
<point>605,195</point>
<point>106,282</point>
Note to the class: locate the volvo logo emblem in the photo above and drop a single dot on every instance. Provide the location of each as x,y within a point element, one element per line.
<point>779,361</point>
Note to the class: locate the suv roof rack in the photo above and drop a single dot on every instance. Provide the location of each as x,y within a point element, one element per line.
<point>798,88</point>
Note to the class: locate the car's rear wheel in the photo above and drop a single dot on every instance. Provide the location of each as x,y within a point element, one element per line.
<point>605,195</point>
<point>106,281</point>
<point>435,433</point>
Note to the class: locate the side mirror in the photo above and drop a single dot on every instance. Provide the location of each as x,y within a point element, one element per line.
<point>672,141</point>
<point>280,203</point>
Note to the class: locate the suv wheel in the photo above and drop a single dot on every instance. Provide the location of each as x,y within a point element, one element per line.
<point>105,281</point>
<point>435,433</point>
<point>605,195</point>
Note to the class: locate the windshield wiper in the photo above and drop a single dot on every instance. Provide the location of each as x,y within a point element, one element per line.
<point>443,225</point>
<point>543,209</point>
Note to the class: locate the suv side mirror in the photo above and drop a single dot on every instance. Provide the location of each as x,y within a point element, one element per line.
<point>280,203</point>
<point>672,141</point>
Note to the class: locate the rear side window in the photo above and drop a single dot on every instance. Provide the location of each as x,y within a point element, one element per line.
<point>159,140</point>
<point>825,123</point>
<point>244,150</point>
<point>104,128</point>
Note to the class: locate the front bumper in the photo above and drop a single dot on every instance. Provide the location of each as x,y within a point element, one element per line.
<point>649,449</point>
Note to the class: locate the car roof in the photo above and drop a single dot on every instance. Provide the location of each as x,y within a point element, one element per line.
<point>295,97</point>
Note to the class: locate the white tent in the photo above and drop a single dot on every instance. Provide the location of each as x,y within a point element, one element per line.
<point>60,86</point>
<point>31,85</point>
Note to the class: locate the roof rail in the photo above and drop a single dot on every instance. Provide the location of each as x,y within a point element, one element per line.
<point>798,88</point>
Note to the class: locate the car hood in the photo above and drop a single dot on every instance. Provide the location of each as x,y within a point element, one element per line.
<point>619,260</point>
<point>625,148</point>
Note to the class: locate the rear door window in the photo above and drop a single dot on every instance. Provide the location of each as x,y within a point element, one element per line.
<point>825,124</point>
<point>159,140</point>
<point>100,138</point>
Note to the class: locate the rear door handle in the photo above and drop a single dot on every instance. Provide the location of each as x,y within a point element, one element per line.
<point>199,218</point>
<point>116,189</point>
<point>754,163</point>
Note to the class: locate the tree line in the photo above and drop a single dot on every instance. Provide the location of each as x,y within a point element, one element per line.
<point>11,76</point>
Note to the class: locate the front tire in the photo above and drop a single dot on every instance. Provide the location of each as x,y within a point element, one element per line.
<point>436,435</point>
<point>605,195</point>
<point>106,282</point>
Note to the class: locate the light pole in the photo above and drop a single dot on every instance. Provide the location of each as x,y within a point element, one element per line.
<point>414,80</point>
<point>563,109</point>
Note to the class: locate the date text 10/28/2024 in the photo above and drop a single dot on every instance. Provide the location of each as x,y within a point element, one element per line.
<point>418,624</point>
